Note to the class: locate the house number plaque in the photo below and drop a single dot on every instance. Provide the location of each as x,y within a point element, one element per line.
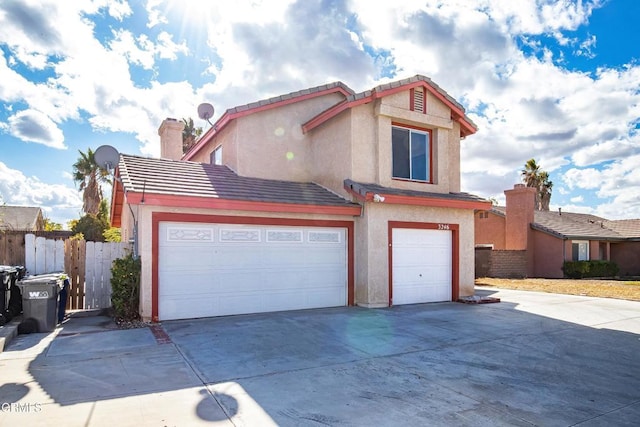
<point>444,227</point>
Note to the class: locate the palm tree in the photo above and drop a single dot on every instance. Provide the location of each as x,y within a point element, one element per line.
<point>89,175</point>
<point>190,134</point>
<point>533,176</point>
<point>544,190</point>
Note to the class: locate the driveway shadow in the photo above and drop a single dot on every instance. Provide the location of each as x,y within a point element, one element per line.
<point>89,360</point>
<point>436,364</point>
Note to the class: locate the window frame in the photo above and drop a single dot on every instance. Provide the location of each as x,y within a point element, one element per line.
<point>580,243</point>
<point>214,156</point>
<point>429,152</point>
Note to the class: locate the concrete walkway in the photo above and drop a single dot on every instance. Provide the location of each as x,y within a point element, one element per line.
<point>532,359</point>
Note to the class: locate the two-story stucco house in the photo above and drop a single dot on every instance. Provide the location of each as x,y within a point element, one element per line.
<point>318,198</point>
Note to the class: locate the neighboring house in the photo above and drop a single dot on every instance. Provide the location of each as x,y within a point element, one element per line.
<point>318,198</point>
<point>530,243</point>
<point>21,218</point>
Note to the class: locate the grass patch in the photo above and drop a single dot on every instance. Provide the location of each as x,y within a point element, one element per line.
<point>619,289</point>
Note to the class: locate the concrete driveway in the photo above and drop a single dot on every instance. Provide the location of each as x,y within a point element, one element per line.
<point>532,359</point>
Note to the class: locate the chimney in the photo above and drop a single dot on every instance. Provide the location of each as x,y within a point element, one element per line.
<point>521,203</point>
<point>170,132</point>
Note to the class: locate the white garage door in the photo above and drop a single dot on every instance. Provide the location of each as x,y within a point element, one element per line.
<point>222,269</point>
<point>421,266</point>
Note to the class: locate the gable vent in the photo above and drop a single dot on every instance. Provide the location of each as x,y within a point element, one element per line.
<point>418,101</point>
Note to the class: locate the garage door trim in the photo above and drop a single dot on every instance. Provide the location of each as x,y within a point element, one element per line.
<point>158,217</point>
<point>455,251</point>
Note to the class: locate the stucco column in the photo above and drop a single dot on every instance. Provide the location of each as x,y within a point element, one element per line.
<point>521,202</point>
<point>170,132</point>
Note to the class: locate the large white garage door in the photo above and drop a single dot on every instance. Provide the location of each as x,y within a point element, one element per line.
<point>222,269</point>
<point>421,266</point>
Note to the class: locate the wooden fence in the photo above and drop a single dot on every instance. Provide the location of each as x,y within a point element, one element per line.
<point>12,249</point>
<point>88,265</point>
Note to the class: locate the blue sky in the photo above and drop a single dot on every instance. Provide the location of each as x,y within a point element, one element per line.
<point>558,81</point>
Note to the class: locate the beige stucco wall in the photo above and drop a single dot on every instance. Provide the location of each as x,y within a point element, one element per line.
<point>331,158</point>
<point>372,247</point>
<point>270,144</point>
<point>145,232</point>
<point>437,108</point>
<point>446,155</point>
<point>228,138</point>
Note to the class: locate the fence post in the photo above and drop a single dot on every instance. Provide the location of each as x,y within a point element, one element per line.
<point>30,253</point>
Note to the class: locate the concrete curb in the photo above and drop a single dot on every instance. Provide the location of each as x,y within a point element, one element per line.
<point>9,332</point>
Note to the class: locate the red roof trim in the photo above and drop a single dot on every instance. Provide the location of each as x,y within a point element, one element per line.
<point>117,201</point>
<point>395,199</point>
<point>227,117</point>
<point>333,111</point>
<point>242,205</point>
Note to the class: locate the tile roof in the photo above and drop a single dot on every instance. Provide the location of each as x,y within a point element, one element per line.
<point>629,228</point>
<point>572,225</point>
<point>19,217</point>
<point>362,189</point>
<point>182,178</point>
<point>289,96</point>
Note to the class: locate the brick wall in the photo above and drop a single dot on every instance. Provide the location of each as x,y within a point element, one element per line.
<point>508,264</point>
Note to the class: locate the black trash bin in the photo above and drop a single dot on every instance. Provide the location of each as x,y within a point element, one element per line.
<point>40,299</point>
<point>15,299</point>
<point>7,279</point>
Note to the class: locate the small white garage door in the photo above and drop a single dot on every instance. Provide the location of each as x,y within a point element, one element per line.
<point>421,265</point>
<point>223,269</point>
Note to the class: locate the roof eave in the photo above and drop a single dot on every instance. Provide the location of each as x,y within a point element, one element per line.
<point>555,233</point>
<point>395,199</point>
<point>234,113</point>
<point>467,127</point>
<point>171,200</point>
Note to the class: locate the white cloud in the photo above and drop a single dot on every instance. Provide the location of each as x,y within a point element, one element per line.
<point>34,126</point>
<point>525,106</point>
<point>61,202</point>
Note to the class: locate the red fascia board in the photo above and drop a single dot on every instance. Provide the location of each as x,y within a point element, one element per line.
<point>326,115</point>
<point>226,117</point>
<point>117,201</point>
<point>242,205</point>
<point>332,112</point>
<point>213,130</point>
<point>435,202</point>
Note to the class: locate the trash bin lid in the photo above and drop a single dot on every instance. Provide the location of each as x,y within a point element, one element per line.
<point>40,279</point>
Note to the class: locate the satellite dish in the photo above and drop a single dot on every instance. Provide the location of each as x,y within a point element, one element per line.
<point>106,157</point>
<point>205,111</point>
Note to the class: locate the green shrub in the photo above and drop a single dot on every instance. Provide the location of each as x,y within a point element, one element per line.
<point>582,269</point>
<point>125,288</point>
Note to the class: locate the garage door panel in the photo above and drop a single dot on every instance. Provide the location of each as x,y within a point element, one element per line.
<point>183,259</point>
<point>422,263</point>
<point>248,269</point>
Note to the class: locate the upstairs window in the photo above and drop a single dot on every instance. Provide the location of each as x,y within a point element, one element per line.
<point>411,154</point>
<point>216,156</point>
